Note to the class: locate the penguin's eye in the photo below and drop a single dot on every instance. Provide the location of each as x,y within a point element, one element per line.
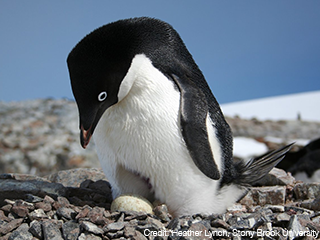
<point>102,96</point>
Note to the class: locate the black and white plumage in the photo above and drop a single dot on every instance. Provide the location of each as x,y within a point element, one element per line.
<point>158,130</point>
<point>304,164</point>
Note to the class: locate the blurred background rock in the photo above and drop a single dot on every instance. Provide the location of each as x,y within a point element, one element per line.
<point>40,137</point>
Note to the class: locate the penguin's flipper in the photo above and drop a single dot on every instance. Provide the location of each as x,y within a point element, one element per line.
<point>256,168</point>
<point>193,117</point>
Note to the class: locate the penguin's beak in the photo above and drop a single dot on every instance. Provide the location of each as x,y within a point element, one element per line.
<point>88,123</point>
<point>85,136</point>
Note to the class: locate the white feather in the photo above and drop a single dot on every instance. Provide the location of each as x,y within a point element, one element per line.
<point>139,137</point>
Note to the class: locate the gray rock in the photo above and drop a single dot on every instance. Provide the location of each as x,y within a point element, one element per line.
<point>70,230</point>
<point>37,214</point>
<point>33,199</point>
<point>274,195</point>
<point>63,202</point>
<point>86,236</point>
<point>161,211</point>
<point>51,230</point>
<point>96,216</point>
<point>201,230</point>
<point>239,223</point>
<point>298,210</point>
<point>65,212</point>
<point>8,227</point>
<point>276,177</point>
<point>114,227</point>
<point>21,233</point>
<point>18,189</point>
<point>92,228</point>
<point>306,190</point>
<point>131,233</point>
<point>283,217</point>
<point>36,229</point>
<point>297,223</point>
<point>75,177</point>
<point>275,208</point>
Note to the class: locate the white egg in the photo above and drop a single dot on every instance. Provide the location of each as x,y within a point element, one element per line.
<point>131,202</point>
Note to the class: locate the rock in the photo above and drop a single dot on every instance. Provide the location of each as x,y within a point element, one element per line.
<point>96,215</point>
<point>306,190</point>
<point>36,229</point>
<point>62,202</point>
<point>161,211</point>
<point>74,177</point>
<point>21,211</point>
<point>70,230</point>
<point>236,207</point>
<point>297,224</point>
<point>8,227</point>
<point>21,233</point>
<point>66,213</point>
<point>86,236</point>
<point>274,195</point>
<point>84,212</point>
<point>131,233</point>
<point>37,214</point>
<point>276,177</point>
<point>275,208</point>
<point>17,189</point>
<point>298,210</point>
<point>92,228</point>
<point>114,227</point>
<point>51,230</point>
<point>4,217</point>
<point>131,203</point>
<point>32,198</point>
<point>283,217</point>
<point>44,205</point>
<point>199,231</point>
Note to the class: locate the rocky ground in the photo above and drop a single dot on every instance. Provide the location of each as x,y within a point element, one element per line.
<point>75,204</point>
<point>57,191</point>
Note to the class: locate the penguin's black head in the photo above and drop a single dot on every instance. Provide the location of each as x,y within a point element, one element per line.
<point>100,61</point>
<point>97,66</point>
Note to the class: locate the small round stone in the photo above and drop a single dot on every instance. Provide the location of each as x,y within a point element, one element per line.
<point>130,202</point>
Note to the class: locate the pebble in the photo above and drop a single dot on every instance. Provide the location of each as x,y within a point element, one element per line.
<point>22,233</point>
<point>37,214</point>
<point>92,228</point>
<point>51,230</point>
<point>70,230</point>
<point>36,229</point>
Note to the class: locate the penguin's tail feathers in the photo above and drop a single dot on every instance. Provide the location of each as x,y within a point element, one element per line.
<point>256,168</point>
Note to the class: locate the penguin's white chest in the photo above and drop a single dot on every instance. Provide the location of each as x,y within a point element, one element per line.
<point>141,132</point>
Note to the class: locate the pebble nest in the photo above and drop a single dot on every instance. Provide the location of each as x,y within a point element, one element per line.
<point>58,207</point>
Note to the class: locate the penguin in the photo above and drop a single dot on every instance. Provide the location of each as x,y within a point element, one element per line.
<point>159,131</point>
<point>303,164</point>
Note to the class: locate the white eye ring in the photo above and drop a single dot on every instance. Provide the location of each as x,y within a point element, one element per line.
<point>102,96</point>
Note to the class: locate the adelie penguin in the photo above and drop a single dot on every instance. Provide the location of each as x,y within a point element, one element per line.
<point>159,131</point>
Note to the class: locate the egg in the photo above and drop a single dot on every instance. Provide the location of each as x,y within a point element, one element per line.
<point>131,202</point>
